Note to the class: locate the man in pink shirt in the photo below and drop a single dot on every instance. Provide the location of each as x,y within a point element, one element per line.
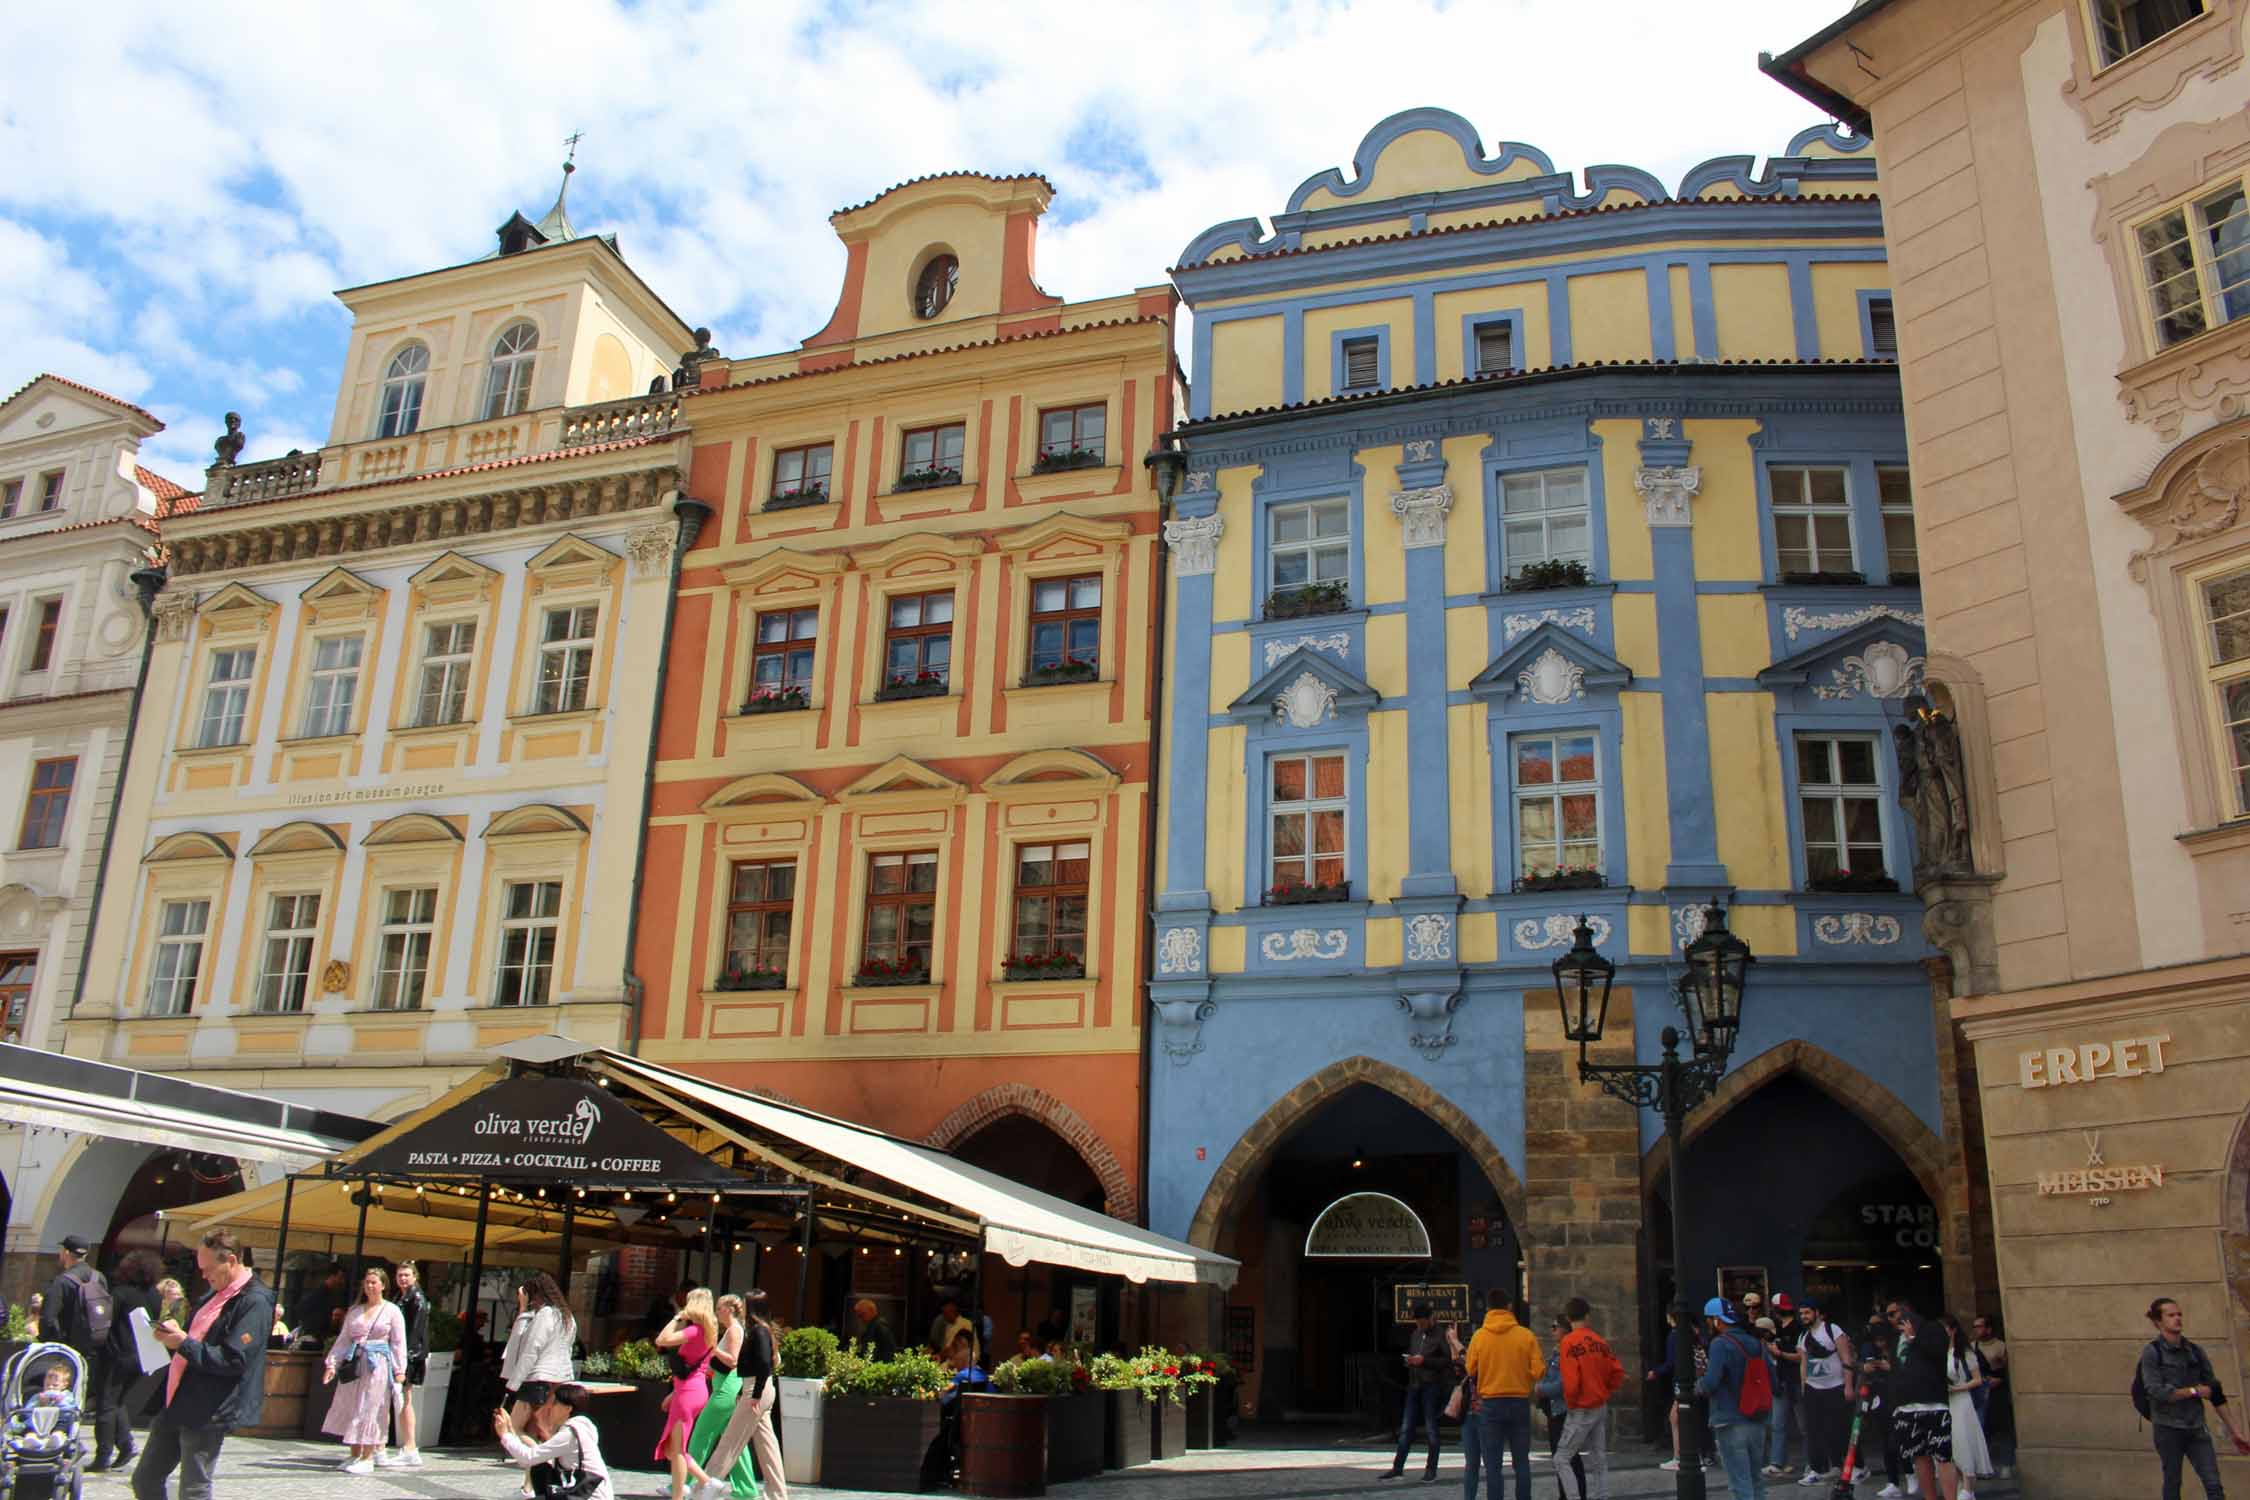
<point>218,1377</point>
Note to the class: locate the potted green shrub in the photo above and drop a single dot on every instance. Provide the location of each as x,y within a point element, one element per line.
<point>886,1416</point>
<point>805,1354</point>
<point>1199,1377</point>
<point>1074,1414</point>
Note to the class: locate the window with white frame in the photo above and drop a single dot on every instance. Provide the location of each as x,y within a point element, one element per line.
<point>226,697</point>
<point>399,410</point>
<point>50,490</point>
<point>507,380</point>
<point>1311,543</point>
<point>566,659</point>
<point>1495,348</point>
<point>2226,642</point>
<point>1558,805</point>
<point>1840,801</point>
<point>1306,813</point>
<point>2124,27</point>
<point>180,926</point>
<point>334,687</point>
<point>2195,262</point>
<point>530,930</point>
<point>292,927</point>
<point>781,657</point>
<point>1895,489</point>
<point>449,651</point>
<point>402,959</point>
<point>1544,519</point>
<point>1812,519</point>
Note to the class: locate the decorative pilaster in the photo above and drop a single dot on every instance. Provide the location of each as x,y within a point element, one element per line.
<point>1422,512</point>
<point>175,615</point>
<point>1194,541</point>
<point>1666,491</point>
<point>651,547</point>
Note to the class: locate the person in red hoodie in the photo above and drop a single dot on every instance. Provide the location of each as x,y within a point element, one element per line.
<point>1591,1375</point>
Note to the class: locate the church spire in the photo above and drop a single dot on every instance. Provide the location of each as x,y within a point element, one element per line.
<point>555,227</point>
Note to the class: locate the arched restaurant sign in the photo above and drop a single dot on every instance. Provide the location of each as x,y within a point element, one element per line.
<point>1367,1226</point>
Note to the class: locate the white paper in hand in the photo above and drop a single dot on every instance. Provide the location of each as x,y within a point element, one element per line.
<point>153,1355</point>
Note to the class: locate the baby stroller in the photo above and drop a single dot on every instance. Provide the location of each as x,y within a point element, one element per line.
<point>39,1451</point>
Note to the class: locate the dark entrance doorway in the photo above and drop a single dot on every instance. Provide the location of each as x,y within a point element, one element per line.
<point>1022,1299</point>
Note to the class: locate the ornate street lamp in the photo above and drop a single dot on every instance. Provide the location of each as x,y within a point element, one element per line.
<point>1166,463</point>
<point>1710,998</point>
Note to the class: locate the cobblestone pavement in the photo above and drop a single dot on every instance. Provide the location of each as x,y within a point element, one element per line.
<point>1278,1466</point>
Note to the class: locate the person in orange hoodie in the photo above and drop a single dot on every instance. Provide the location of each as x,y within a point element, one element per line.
<point>1504,1362</point>
<point>1591,1375</point>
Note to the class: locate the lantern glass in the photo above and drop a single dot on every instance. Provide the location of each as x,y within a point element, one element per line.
<point>1582,981</point>
<point>1718,962</point>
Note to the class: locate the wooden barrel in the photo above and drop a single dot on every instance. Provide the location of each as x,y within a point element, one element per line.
<point>291,1381</point>
<point>1003,1445</point>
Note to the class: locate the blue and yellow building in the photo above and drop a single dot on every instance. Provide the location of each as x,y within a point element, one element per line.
<point>1543,546</point>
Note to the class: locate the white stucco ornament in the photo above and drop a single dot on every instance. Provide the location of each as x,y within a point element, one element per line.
<point>1423,514</point>
<point>1667,492</point>
<point>1688,922</point>
<point>1429,937</point>
<point>1304,942</point>
<point>1337,644</point>
<point>1857,927</point>
<point>1796,619</point>
<point>650,547</point>
<point>1194,541</point>
<point>1306,702</point>
<point>175,615</point>
<point>1553,678</point>
<point>1558,930</point>
<point>1884,670</point>
<point>1517,626</point>
<point>1180,951</point>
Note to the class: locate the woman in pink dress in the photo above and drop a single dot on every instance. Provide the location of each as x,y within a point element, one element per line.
<point>361,1413</point>
<point>691,1336</point>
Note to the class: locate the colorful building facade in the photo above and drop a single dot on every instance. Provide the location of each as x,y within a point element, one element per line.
<point>2065,218</point>
<point>898,841</point>
<point>1540,550</point>
<point>386,782</point>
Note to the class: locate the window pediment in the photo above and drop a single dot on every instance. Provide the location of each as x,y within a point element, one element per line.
<point>237,608</point>
<point>1880,659</point>
<point>452,578</point>
<point>921,553</point>
<point>183,848</point>
<point>785,570</point>
<point>536,819</point>
<point>902,776</point>
<point>770,788</point>
<point>1062,773</point>
<point>1066,535</point>
<point>570,558</point>
<point>2194,496</point>
<point>341,595</point>
<point>412,828</point>
<point>1550,666</point>
<point>298,838</point>
<point>1302,690</point>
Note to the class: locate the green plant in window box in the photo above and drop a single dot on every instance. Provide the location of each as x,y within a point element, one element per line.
<point>1852,883</point>
<point>1563,880</point>
<point>1308,893</point>
<point>1045,966</point>
<point>1823,579</point>
<point>1069,669</point>
<point>920,685</point>
<point>754,975</point>
<point>815,493</point>
<point>879,972</point>
<point>1331,598</point>
<point>1556,573</point>
<point>934,477</point>
<point>781,700</point>
<point>1054,460</point>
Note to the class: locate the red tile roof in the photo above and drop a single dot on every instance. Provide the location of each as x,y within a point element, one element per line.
<point>1559,214</point>
<point>1038,177</point>
<point>171,498</point>
<point>143,522</point>
<point>88,390</point>
<point>892,359</point>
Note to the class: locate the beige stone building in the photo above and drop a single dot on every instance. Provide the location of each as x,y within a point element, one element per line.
<point>384,805</point>
<point>2065,209</point>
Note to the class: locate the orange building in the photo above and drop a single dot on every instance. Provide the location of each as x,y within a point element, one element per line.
<point>898,860</point>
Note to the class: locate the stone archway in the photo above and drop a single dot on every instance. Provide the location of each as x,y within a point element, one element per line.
<point>1258,1144</point>
<point>1119,1200</point>
<point>1875,1106</point>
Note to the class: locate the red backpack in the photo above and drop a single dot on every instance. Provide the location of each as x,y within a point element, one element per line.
<point>1756,1397</point>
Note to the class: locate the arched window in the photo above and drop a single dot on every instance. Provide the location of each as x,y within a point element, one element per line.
<point>934,287</point>
<point>401,410</point>
<point>507,384</point>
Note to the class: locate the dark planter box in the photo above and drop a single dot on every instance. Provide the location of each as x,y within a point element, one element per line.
<point>1203,1417</point>
<point>1077,1432</point>
<point>1168,1430</point>
<point>1128,1433</point>
<point>1226,1408</point>
<point>732,982</point>
<point>795,499</point>
<point>1018,972</point>
<point>1004,1445</point>
<point>632,1425</point>
<point>893,692</point>
<point>875,1443</point>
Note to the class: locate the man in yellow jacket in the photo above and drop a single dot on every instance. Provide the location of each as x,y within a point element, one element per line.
<point>1504,1362</point>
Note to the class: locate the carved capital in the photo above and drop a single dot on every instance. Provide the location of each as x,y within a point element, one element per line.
<point>651,548</point>
<point>175,615</point>
<point>1194,541</point>
<point>1423,513</point>
<point>1667,491</point>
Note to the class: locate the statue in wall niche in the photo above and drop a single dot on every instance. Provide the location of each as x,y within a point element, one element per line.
<point>228,444</point>
<point>1934,787</point>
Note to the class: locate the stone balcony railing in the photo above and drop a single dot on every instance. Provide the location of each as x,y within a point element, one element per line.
<point>372,460</point>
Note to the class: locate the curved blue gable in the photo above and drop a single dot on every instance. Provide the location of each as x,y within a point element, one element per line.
<point>1828,133</point>
<point>1406,122</point>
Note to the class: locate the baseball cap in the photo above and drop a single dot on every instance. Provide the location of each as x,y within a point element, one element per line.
<point>1717,1308</point>
<point>1782,1303</point>
<point>74,1244</point>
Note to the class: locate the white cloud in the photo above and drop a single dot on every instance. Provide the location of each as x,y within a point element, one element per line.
<point>233,173</point>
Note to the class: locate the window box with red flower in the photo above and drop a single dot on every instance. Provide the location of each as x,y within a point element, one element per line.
<point>1294,893</point>
<point>932,478</point>
<point>776,700</point>
<point>1055,460</point>
<point>920,685</point>
<point>810,493</point>
<point>1069,669</point>
<point>882,972</point>
<point>753,976</point>
<point>1562,880</point>
<point>1021,966</point>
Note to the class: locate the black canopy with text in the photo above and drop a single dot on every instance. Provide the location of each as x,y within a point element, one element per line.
<point>539,1128</point>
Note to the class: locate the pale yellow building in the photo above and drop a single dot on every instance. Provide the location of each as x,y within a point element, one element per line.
<point>2064,200</point>
<point>384,806</point>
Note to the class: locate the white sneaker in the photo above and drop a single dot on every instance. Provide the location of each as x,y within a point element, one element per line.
<point>359,1466</point>
<point>1670,1466</point>
<point>1914,1484</point>
<point>1770,1470</point>
<point>1890,1492</point>
<point>710,1489</point>
<point>1812,1477</point>
<point>409,1458</point>
<point>384,1459</point>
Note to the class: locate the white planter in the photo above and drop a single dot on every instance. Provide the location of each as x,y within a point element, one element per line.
<point>803,1406</point>
<point>429,1398</point>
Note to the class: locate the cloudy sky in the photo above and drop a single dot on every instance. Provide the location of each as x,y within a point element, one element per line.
<point>185,186</point>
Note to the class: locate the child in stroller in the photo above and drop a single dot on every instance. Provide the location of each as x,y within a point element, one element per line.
<point>39,1452</point>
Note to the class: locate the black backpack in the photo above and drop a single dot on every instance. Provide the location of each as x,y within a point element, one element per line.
<point>94,1303</point>
<point>2139,1392</point>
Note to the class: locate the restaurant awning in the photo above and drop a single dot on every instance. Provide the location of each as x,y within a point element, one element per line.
<point>94,1098</point>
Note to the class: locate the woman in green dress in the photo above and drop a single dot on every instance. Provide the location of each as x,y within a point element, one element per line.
<point>726,1389</point>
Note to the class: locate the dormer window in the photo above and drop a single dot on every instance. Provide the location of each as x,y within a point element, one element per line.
<point>934,288</point>
<point>401,409</point>
<point>507,383</point>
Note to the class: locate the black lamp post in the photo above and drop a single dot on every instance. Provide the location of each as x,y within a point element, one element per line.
<point>1710,999</point>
